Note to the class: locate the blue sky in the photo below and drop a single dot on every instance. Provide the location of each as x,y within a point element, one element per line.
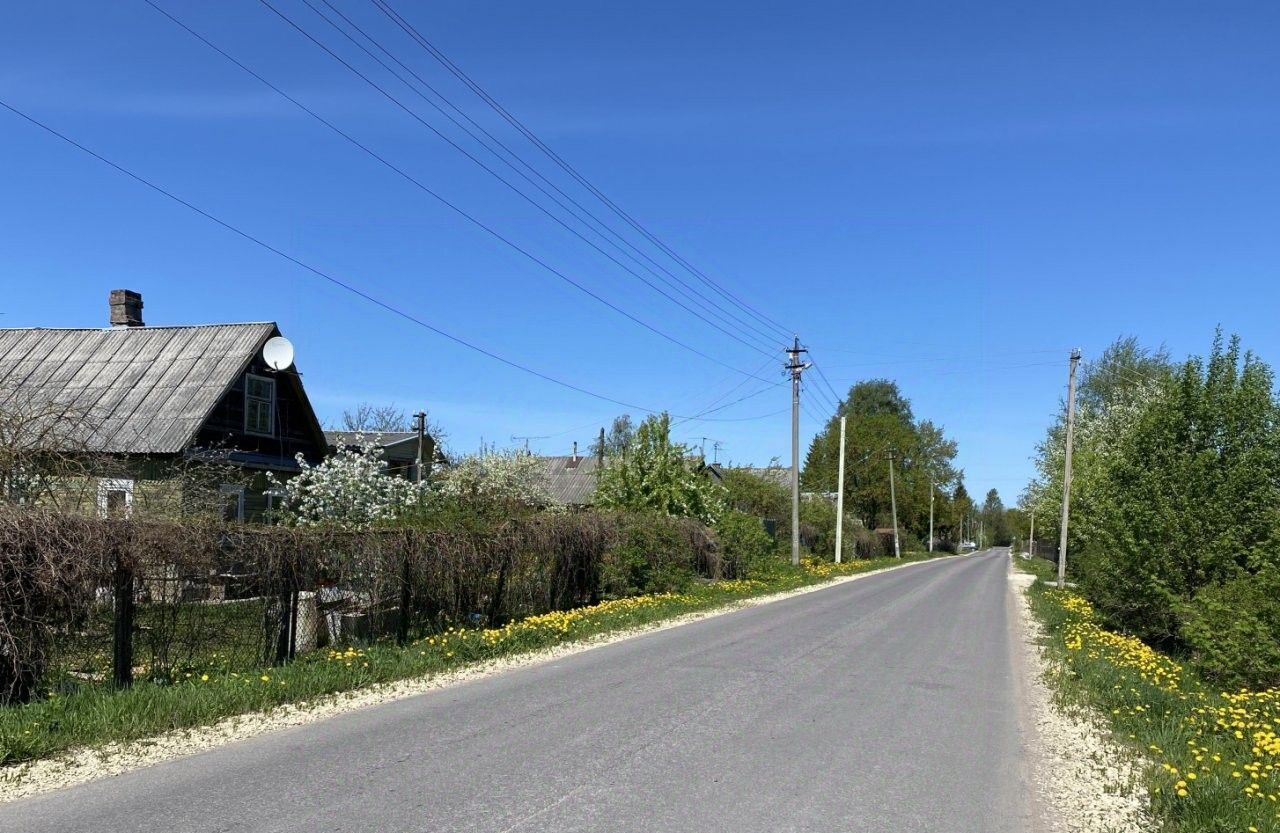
<point>947,194</point>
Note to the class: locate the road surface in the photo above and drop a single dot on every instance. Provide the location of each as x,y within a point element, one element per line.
<point>884,704</point>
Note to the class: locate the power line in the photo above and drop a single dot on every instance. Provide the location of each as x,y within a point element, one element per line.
<point>751,395</point>
<point>438,197</point>
<point>898,360</point>
<point>591,220</point>
<point>821,420</point>
<point>735,388</point>
<point>453,68</point>
<point>328,277</point>
<point>543,209</point>
<point>826,381</point>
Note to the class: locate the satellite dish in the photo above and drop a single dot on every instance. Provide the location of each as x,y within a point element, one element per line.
<point>278,353</point>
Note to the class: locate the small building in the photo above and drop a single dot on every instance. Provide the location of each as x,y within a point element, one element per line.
<point>399,450</point>
<point>778,475</point>
<point>571,480</point>
<point>152,400</point>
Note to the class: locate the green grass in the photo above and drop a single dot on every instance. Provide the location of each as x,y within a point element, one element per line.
<point>96,715</point>
<point>170,639</point>
<point>1214,756</point>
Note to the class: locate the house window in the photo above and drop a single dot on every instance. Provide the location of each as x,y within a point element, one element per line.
<point>275,499</point>
<point>232,502</point>
<point>259,405</point>
<point>115,498</point>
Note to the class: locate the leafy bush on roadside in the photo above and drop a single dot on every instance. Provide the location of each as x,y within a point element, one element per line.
<point>1175,510</point>
<point>743,542</point>
<point>653,553</point>
<point>1233,631</point>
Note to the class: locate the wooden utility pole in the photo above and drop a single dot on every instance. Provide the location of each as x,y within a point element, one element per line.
<point>1066,473</point>
<point>421,425</point>
<point>840,497</point>
<point>796,368</point>
<point>893,501</point>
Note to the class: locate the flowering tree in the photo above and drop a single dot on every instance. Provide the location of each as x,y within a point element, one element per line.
<point>350,489</point>
<point>496,479</point>
<point>653,473</point>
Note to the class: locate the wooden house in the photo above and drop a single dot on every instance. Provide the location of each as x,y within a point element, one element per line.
<point>399,450</point>
<point>151,400</point>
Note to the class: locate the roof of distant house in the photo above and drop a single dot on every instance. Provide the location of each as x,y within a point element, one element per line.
<point>571,480</point>
<point>382,438</point>
<point>144,390</point>
<point>774,474</point>
<point>397,445</point>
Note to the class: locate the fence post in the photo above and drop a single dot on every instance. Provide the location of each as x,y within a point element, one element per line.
<point>406,595</point>
<point>287,632</point>
<point>122,644</point>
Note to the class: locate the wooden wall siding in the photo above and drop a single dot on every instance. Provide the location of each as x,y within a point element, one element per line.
<point>295,421</point>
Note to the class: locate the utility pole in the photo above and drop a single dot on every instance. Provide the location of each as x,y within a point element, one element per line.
<point>796,368</point>
<point>1031,536</point>
<point>420,424</point>
<point>893,500</point>
<point>840,497</point>
<point>1066,474</point>
<point>933,487</point>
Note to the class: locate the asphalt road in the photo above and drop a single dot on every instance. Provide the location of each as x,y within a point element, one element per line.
<point>884,704</point>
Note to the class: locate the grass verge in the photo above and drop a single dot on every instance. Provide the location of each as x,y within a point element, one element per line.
<point>1215,755</point>
<point>96,717</point>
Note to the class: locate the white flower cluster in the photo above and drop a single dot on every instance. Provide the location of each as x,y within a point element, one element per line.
<point>350,489</point>
<point>509,477</point>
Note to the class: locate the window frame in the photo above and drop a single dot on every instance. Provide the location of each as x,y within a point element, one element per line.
<point>108,485</point>
<point>270,403</point>
<point>228,489</point>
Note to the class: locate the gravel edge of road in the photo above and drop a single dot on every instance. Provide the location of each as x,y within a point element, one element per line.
<point>1084,781</point>
<point>81,766</point>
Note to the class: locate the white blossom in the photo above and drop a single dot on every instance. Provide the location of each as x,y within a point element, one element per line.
<point>350,489</point>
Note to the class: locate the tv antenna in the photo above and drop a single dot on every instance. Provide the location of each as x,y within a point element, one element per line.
<point>516,439</point>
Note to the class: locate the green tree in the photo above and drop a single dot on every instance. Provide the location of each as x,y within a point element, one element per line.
<point>621,432</point>
<point>995,521</point>
<point>1176,488</point>
<point>879,420</point>
<point>1190,492</point>
<point>1124,377</point>
<point>652,473</point>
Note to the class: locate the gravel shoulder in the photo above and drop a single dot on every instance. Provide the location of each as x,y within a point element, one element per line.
<point>1084,781</point>
<point>33,778</point>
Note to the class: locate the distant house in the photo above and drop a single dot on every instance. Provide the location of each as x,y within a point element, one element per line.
<point>771,474</point>
<point>571,479</point>
<point>399,450</point>
<point>781,476</point>
<point>149,397</point>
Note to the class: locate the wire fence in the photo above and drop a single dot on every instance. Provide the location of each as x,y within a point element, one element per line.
<point>96,602</point>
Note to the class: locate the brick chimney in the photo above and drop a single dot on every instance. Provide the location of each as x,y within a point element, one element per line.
<point>126,308</point>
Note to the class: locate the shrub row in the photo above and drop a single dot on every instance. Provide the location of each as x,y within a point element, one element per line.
<point>194,582</point>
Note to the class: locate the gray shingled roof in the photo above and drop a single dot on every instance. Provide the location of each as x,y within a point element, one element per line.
<point>385,438</point>
<point>144,390</point>
<point>572,485</point>
<point>781,475</point>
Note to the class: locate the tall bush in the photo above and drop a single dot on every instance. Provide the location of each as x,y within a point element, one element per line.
<point>1176,500</point>
<point>654,474</point>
